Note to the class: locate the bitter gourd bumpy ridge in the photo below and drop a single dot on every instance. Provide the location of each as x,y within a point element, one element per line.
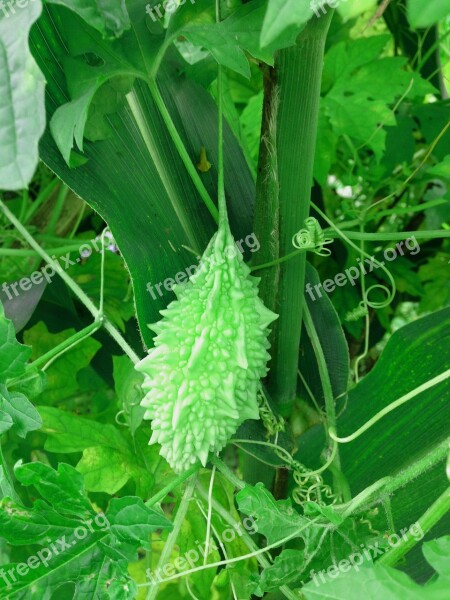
<point>202,376</point>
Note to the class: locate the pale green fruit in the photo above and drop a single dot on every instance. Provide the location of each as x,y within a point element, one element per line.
<point>202,376</point>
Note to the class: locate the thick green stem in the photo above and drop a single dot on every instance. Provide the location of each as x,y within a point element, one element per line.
<point>433,515</point>
<point>299,74</point>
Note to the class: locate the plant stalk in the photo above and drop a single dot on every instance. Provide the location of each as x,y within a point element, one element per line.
<point>299,74</point>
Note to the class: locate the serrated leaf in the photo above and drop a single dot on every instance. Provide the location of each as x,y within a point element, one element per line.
<point>24,416</point>
<point>13,355</point>
<point>275,519</point>
<point>133,522</point>
<point>63,489</point>
<point>22,114</point>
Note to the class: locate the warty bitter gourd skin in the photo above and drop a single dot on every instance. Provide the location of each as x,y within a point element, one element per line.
<point>203,375</point>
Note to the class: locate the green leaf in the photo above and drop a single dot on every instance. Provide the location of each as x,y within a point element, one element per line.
<point>275,519</point>
<point>286,569</point>
<point>23,415</point>
<point>63,489</point>
<point>437,554</point>
<point>22,117</point>
<point>283,16</point>
<point>86,549</point>
<point>424,14</point>
<point>133,522</point>
<point>108,470</point>
<point>70,433</point>
<point>110,17</point>
<point>139,162</point>
<point>13,355</point>
<point>128,383</point>
<point>413,355</point>
<point>6,421</point>
<point>62,375</point>
<point>347,582</point>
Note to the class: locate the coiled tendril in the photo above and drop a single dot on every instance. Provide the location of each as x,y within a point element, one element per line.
<point>312,238</point>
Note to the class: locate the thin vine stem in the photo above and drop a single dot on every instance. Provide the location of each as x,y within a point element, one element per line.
<point>263,561</point>
<point>224,563</point>
<point>76,289</point>
<point>340,484</point>
<point>173,536</point>
<point>388,409</point>
<point>159,497</point>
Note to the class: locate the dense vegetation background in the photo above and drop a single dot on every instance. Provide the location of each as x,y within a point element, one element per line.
<point>109,165</point>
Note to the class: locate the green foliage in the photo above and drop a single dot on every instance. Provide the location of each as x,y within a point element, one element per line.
<point>22,119</point>
<point>348,437</point>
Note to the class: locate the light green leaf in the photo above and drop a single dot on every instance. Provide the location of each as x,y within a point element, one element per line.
<point>371,582</point>
<point>6,421</point>
<point>22,114</point>
<point>437,554</point>
<point>24,416</point>
<point>275,519</point>
<point>286,569</point>
<point>63,489</point>
<point>13,355</point>
<point>62,374</point>
<point>110,17</point>
<point>424,14</point>
<point>284,16</point>
<point>133,522</point>
<point>108,470</point>
<point>70,433</point>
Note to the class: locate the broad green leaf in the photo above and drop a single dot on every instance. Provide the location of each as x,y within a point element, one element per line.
<point>275,519</point>
<point>133,522</point>
<point>23,415</point>
<point>135,179</point>
<point>230,39</point>
<point>13,355</point>
<point>87,549</point>
<point>108,470</point>
<point>347,582</point>
<point>424,14</point>
<point>283,16</point>
<point>413,355</point>
<point>22,115</point>
<point>108,460</point>
<point>62,374</point>
<point>286,569</point>
<point>110,17</point>
<point>70,433</point>
<point>63,489</point>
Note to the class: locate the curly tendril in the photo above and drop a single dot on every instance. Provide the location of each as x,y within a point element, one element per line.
<point>312,238</point>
